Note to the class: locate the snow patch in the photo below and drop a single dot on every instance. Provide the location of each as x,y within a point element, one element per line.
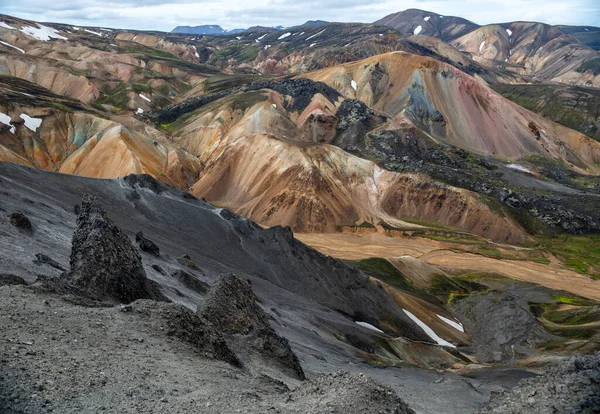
<point>30,122</point>
<point>44,33</point>
<point>427,18</point>
<point>481,46</point>
<point>519,167</point>
<point>312,44</point>
<point>418,29</point>
<point>92,32</point>
<point>267,46</point>
<point>428,330</point>
<point>315,35</point>
<point>14,47</point>
<point>274,106</point>
<point>262,37</point>
<point>5,119</point>
<point>139,111</point>
<point>509,32</point>
<point>368,326</point>
<point>456,325</point>
<point>5,26</point>
<point>145,97</point>
<point>353,83</point>
<point>107,30</point>
<point>238,37</point>
<point>283,36</point>
<point>196,51</point>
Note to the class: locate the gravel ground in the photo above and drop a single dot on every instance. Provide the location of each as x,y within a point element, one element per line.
<point>65,358</point>
<point>571,387</point>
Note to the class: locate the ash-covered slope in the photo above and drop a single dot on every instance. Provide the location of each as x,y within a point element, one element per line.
<point>215,240</point>
<point>310,299</point>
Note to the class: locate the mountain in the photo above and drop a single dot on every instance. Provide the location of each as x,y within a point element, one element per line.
<point>203,29</point>
<point>414,21</point>
<point>588,35</point>
<point>535,50</point>
<point>313,23</point>
<point>416,205</point>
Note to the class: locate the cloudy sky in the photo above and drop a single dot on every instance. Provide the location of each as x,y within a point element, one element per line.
<point>166,14</point>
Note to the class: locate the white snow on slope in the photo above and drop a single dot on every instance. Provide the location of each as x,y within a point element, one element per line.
<point>418,29</point>
<point>456,325</point>
<point>238,37</point>
<point>509,32</point>
<point>5,26</point>
<point>44,33</point>
<point>427,18</point>
<point>31,123</point>
<point>260,38</point>
<point>144,97</point>
<point>429,331</point>
<point>353,83</point>
<point>92,32</point>
<point>140,111</point>
<point>315,35</point>
<point>196,51</point>
<point>368,326</point>
<point>267,46</point>
<point>519,168</point>
<point>5,119</point>
<point>14,47</point>
<point>481,46</point>
<point>283,36</point>
<point>107,30</point>
<point>312,44</point>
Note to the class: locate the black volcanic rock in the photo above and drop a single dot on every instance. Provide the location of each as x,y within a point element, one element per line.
<point>104,263</point>
<point>232,308</point>
<point>20,221</point>
<point>8,279</point>
<point>147,245</point>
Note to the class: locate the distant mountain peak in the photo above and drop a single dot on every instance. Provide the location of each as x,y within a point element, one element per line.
<point>212,29</point>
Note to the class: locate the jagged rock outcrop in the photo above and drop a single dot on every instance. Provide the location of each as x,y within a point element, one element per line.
<point>147,245</point>
<point>232,308</point>
<point>182,323</point>
<point>104,263</point>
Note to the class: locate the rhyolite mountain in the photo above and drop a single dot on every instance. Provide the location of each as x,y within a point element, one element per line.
<point>332,126</point>
<point>446,174</point>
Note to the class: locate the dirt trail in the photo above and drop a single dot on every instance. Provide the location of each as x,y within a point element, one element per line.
<point>442,255</point>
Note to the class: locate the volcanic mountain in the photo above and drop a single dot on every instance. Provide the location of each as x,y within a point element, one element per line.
<point>452,229</point>
<point>223,136</point>
<point>536,50</point>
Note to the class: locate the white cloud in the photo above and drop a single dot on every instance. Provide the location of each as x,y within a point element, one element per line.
<point>166,14</point>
